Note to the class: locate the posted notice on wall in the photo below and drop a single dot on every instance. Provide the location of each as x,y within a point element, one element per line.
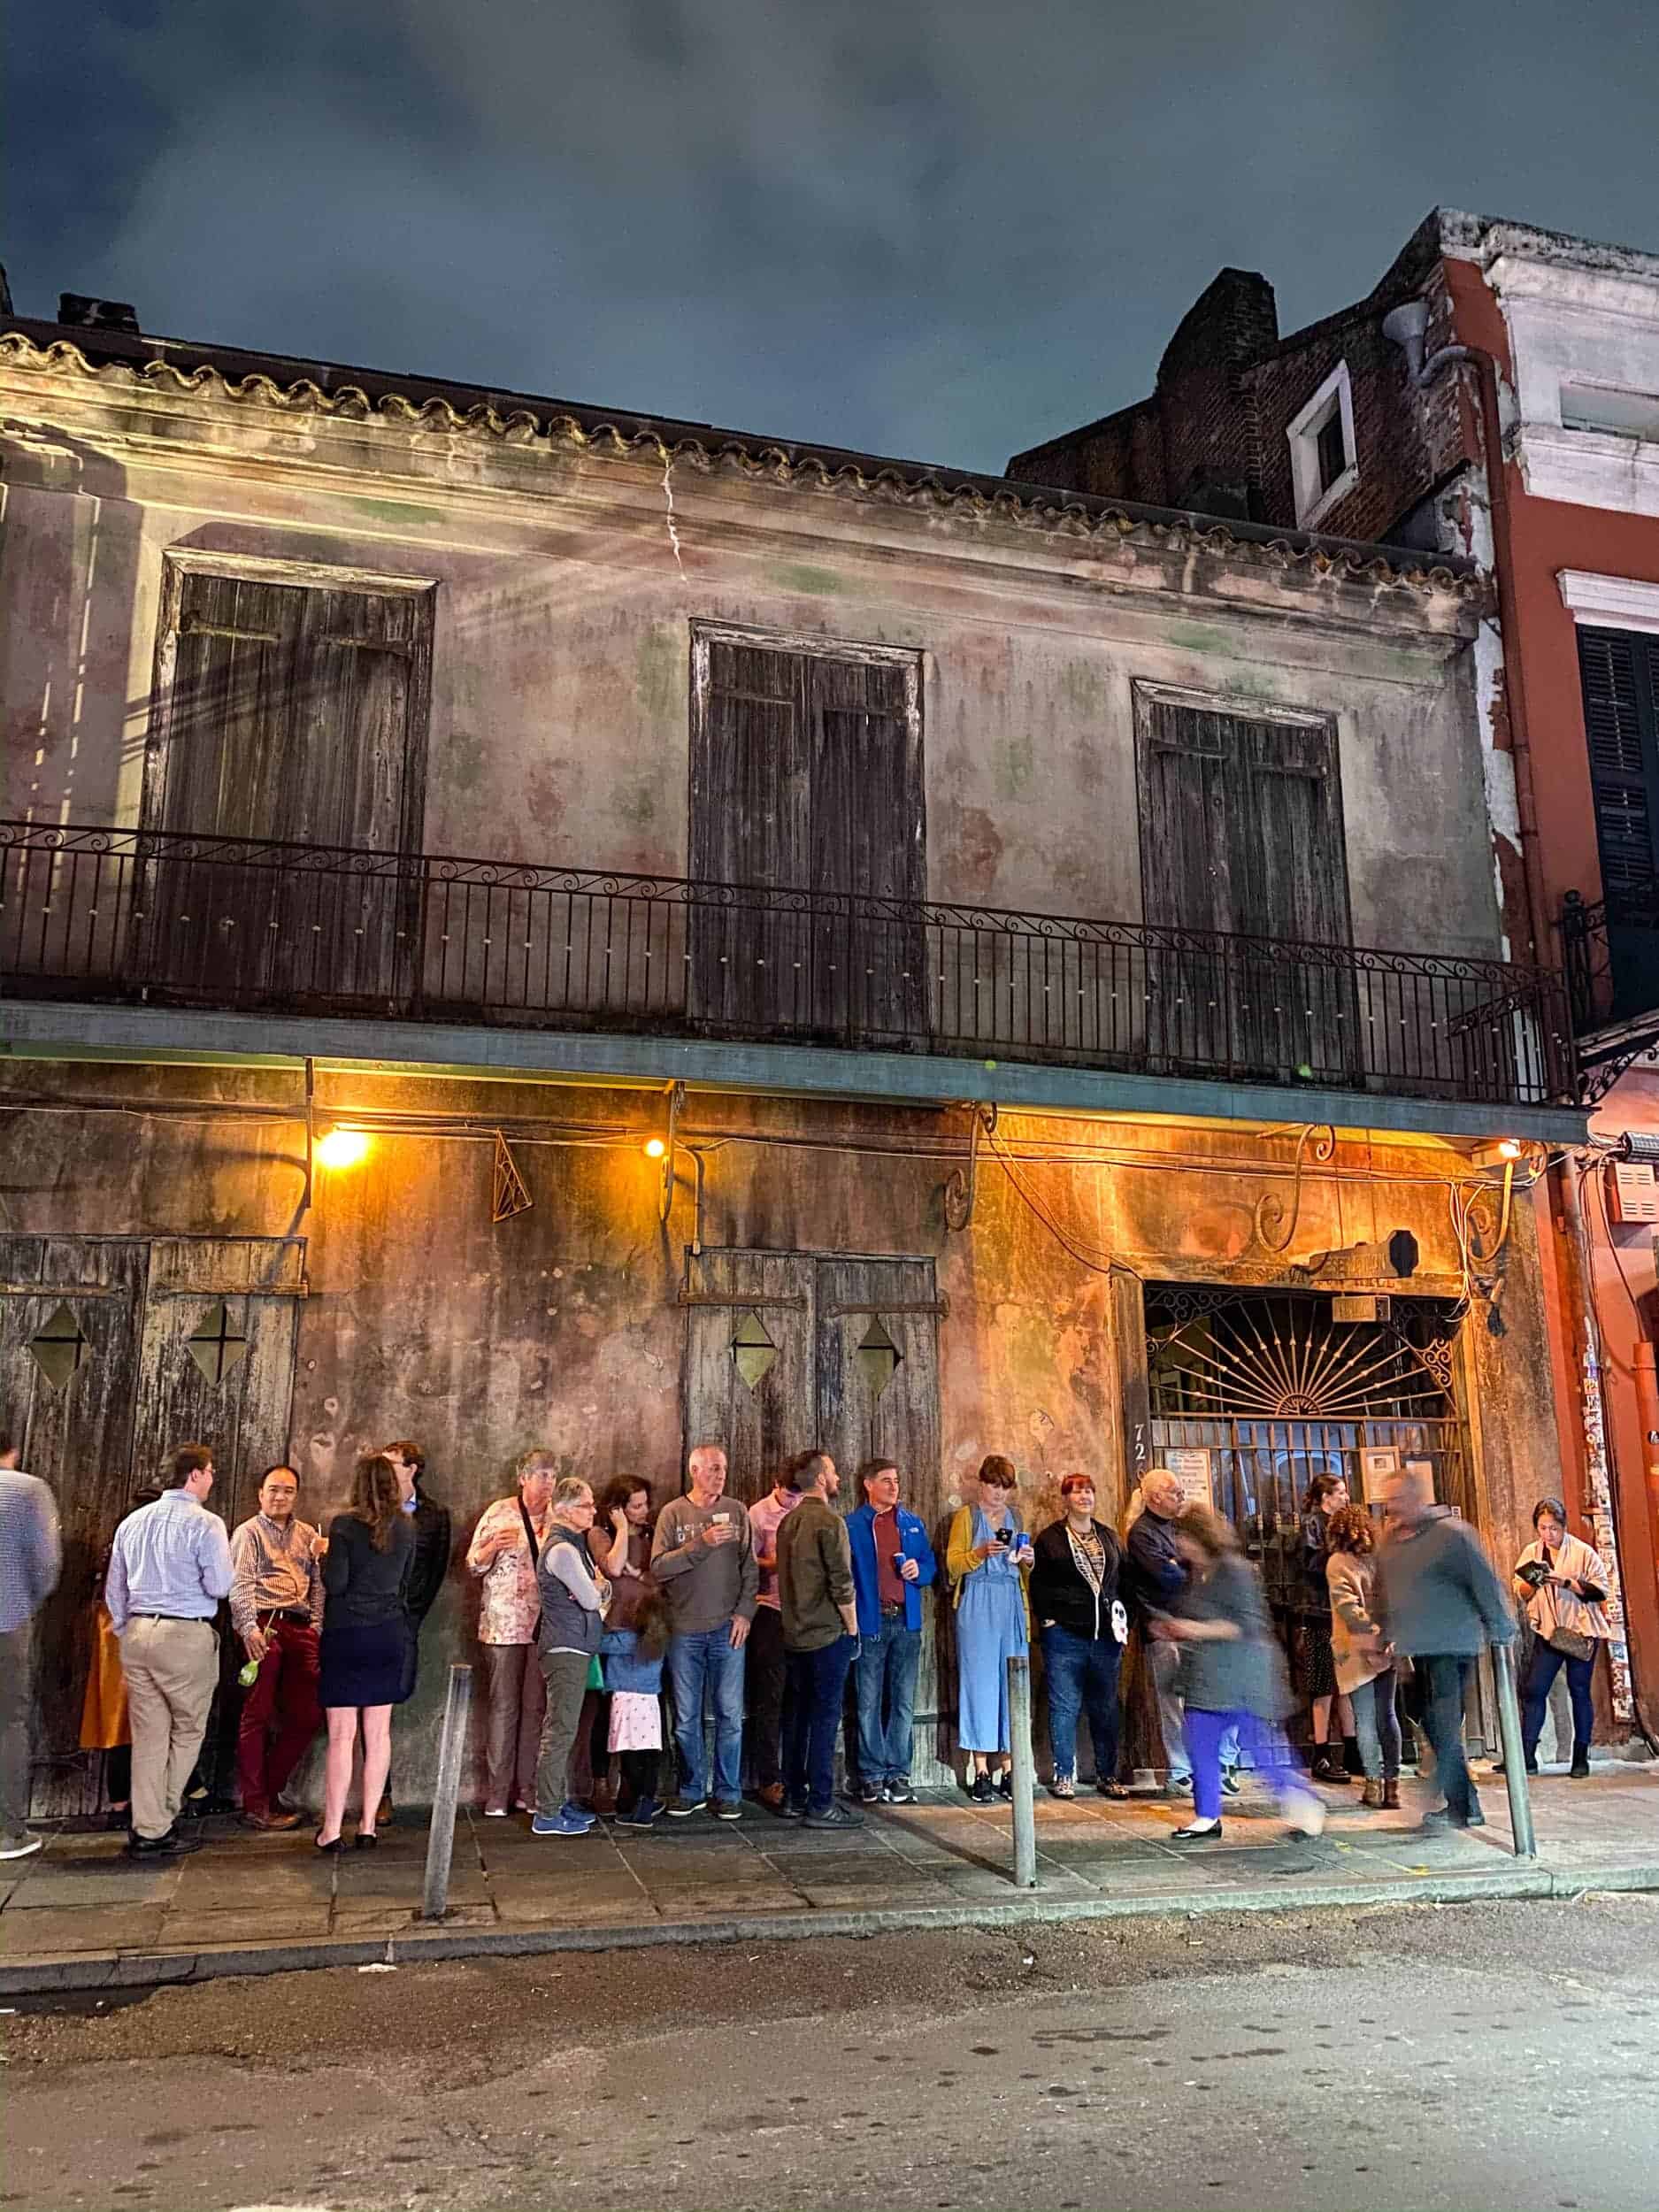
<point>1190,1466</point>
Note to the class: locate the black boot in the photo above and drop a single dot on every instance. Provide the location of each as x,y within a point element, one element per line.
<point>1325,1768</point>
<point>1353,1764</point>
<point>1580,1771</point>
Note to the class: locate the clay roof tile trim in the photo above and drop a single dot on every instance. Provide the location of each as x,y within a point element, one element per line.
<point>1058,514</point>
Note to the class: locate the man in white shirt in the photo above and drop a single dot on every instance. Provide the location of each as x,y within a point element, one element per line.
<point>169,1568</point>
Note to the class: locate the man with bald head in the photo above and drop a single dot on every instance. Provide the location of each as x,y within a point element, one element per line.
<point>1154,1579</point>
<point>703,1561</point>
<point>1438,1602</point>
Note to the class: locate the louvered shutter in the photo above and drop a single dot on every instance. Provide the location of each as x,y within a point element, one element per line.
<point>1619,671</point>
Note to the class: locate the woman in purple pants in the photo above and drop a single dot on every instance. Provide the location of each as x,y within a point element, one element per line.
<point>1233,1676</point>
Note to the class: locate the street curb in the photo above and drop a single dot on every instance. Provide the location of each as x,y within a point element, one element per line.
<point>133,1970</point>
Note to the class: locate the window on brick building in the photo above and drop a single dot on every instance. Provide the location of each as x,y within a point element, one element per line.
<point>1324,461</point>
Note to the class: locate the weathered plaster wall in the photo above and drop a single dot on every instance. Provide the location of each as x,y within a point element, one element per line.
<point>561,1326</point>
<point>560,710</point>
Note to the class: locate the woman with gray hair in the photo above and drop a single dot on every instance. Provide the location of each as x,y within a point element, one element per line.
<point>503,1557</point>
<point>574,1595</point>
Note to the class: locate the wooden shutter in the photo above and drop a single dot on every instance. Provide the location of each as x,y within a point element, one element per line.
<point>296,714</point>
<point>1241,834</point>
<point>1187,770</point>
<point>1619,673</point>
<point>807,780</point>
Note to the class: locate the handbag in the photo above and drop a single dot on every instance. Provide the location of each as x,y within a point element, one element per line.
<point>1572,1644</point>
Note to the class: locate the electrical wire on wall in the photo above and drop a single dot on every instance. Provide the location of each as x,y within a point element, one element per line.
<point>1094,1257</point>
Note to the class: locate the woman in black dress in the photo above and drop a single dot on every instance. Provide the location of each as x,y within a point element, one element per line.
<point>364,1640</point>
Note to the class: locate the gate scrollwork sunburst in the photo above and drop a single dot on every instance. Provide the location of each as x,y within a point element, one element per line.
<point>1289,1363</point>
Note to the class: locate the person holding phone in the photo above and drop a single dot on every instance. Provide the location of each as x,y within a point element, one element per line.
<point>989,1558</point>
<point>1562,1585</point>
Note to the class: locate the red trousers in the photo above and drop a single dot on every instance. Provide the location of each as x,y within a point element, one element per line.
<point>285,1691</point>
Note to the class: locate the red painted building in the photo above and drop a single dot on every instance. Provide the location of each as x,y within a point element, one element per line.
<point>1496,394</point>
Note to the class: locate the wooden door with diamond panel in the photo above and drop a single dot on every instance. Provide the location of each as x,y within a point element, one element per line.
<point>786,1350</point>
<point>114,1350</point>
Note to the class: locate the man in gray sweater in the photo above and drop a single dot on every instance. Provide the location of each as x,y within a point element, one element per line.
<point>1439,1601</point>
<point>820,1640</point>
<point>704,1562</point>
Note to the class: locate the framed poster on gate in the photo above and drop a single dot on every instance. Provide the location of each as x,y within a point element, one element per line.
<point>1375,1466</point>
<point>1190,1466</point>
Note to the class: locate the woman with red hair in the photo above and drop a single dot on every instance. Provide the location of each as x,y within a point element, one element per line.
<point>1083,1625</point>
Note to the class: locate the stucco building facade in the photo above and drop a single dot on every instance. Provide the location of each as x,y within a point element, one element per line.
<point>1056,941</point>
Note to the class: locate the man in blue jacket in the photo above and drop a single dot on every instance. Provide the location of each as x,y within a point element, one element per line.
<point>893,1562</point>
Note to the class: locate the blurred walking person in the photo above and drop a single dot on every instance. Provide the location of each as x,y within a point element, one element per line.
<point>1439,1601</point>
<point>31,1557</point>
<point>1562,1585</point>
<point>1364,1673</point>
<point>1232,1677</point>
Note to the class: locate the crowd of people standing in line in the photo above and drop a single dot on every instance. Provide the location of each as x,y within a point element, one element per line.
<point>752,1619</point>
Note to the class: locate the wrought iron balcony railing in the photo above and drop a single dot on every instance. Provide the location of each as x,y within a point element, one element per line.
<point>1610,956</point>
<point>136,916</point>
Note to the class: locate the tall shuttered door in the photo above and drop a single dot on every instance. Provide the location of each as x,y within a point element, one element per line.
<point>789,1349</point>
<point>1241,834</point>
<point>295,714</point>
<point>112,1351</point>
<point>806,787</point>
<point>1619,671</point>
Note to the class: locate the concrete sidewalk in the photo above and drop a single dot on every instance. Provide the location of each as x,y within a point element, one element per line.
<point>80,1915</point>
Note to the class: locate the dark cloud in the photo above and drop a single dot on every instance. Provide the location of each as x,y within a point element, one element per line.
<point>937,227</point>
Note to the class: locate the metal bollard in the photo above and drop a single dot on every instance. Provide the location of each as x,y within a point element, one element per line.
<point>1514,1763</point>
<point>441,1835</point>
<point>1025,1775</point>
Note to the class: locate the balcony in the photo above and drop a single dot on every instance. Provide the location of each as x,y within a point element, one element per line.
<point>1610,959</point>
<point>126,917</point>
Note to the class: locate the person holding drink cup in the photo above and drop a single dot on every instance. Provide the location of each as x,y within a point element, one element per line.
<point>704,1562</point>
<point>893,1563</point>
<point>989,1558</point>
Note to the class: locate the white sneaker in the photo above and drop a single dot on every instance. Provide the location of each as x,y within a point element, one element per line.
<point>1305,1813</point>
<point>20,1847</point>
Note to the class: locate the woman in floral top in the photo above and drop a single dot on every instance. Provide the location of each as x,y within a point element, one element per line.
<point>505,1547</point>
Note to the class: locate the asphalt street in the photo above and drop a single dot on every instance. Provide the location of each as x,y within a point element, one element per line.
<point>1496,2055</point>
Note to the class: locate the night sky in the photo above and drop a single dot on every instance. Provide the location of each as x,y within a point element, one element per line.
<point>938,229</point>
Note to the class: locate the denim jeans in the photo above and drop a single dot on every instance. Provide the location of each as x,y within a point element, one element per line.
<point>1542,1668</point>
<point>818,1682</point>
<point>705,1663</point>
<point>1445,1677</point>
<point>1376,1727</point>
<point>883,1674</point>
<point>1082,1677</point>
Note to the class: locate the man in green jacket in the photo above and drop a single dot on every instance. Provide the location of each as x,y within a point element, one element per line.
<point>820,1638</point>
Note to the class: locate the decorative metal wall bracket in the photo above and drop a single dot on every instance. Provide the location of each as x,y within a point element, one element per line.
<point>1275,1225</point>
<point>962,1184</point>
<point>508,1194</point>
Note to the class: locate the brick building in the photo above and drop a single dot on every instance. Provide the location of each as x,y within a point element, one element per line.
<point>1379,422</point>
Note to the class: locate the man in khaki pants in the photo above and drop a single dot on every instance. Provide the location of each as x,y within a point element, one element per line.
<point>169,1569</point>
